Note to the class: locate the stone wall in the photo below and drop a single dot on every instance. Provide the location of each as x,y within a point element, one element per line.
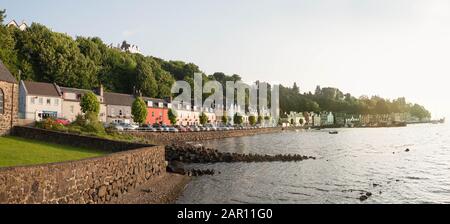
<point>169,138</point>
<point>74,140</point>
<point>96,180</point>
<point>11,107</point>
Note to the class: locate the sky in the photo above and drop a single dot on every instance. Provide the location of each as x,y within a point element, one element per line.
<point>389,48</point>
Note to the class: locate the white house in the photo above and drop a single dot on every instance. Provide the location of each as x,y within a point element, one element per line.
<point>39,100</point>
<point>23,26</point>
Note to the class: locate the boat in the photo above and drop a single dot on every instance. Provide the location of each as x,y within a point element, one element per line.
<point>333,132</point>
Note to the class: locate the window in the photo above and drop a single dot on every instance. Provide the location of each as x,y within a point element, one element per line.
<point>56,102</point>
<point>33,100</point>
<point>153,114</point>
<point>120,112</point>
<point>71,109</point>
<point>2,101</point>
<point>41,100</point>
<point>49,101</point>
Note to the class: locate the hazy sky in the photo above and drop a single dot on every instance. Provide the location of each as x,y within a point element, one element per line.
<point>380,47</point>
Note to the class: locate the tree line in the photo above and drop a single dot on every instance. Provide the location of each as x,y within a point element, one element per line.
<point>86,62</point>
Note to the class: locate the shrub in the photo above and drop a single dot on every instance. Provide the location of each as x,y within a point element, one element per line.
<point>75,129</point>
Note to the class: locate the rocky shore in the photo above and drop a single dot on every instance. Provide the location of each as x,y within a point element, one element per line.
<point>189,153</point>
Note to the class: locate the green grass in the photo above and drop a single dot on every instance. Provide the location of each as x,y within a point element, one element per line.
<point>16,151</point>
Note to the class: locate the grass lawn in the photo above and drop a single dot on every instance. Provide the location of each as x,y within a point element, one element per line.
<point>16,151</point>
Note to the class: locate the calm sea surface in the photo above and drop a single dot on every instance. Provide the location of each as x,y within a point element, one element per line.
<point>354,161</point>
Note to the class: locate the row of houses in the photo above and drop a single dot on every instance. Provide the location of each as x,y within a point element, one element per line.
<point>40,100</point>
<point>346,120</point>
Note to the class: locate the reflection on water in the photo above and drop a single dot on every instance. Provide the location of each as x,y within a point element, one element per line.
<point>355,160</point>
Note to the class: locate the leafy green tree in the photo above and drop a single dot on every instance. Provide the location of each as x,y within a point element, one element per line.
<point>252,120</point>
<point>203,119</point>
<point>139,110</point>
<point>225,118</point>
<point>260,119</point>
<point>238,119</point>
<point>172,116</point>
<point>89,103</point>
<point>2,15</point>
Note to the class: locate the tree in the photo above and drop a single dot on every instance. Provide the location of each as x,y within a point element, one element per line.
<point>252,120</point>
<point>172,116</point>
<point>2,15</point>
<point>89,103</point>
<point>260,119</point>
<point>139,110</point>
<point>203,119</point>
<point>238,119</point>
<point>225,118</point>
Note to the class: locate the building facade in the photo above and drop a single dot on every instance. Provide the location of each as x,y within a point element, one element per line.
<point>118,107</point>
<point>39,101</point>
<point>157,111</point>
<point>9,100</point>
<point>71,103</point>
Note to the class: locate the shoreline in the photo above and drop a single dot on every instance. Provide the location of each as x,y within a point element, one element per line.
<point>165,189</point>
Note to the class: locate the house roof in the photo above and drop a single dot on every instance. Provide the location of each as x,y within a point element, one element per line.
<point>154,100</point>
<point>5,75</point>
<point>76,91</point>
<point>42,89</point>
<point>118,99</point>
<point>73,90</point>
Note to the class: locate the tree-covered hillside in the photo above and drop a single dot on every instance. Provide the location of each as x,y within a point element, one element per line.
<point>43,55</point>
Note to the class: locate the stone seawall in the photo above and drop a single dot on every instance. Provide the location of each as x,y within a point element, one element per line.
<point>170,138</point>
<point>96,180</point>
<point>74,140</point>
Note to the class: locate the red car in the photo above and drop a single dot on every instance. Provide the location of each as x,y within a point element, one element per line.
<point>62,121</point>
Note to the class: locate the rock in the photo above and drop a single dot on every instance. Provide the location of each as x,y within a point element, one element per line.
<point>407,150</point>
<point>363,198</point>
<point>102,191</point>
<point>368,194</point>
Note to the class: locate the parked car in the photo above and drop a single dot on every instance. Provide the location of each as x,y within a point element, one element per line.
<point>212,127</point>
<point>195,128</point>
<point>158,128</point>
<point>129,127</point>
<point>173,129</point>
<point>147,128</point>
<point>62,121</point>
<point>118,127</point>
<point>181,128</point>
<point>165,128</point>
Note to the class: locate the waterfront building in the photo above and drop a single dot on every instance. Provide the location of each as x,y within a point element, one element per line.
<point>118,107</point>
<point>296,119</point>
<point>157,111</point>
<point>186,113</point>
<point>211,114</point>
<point>316,120</point>
<point>39,100</point>
<point>71,102</point>
<point>9,100</point>
<point>326,119</point>
<point>352,120</point>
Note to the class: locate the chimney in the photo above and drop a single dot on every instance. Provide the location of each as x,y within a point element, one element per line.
<point>100,90</point>
<point>168,99</point>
